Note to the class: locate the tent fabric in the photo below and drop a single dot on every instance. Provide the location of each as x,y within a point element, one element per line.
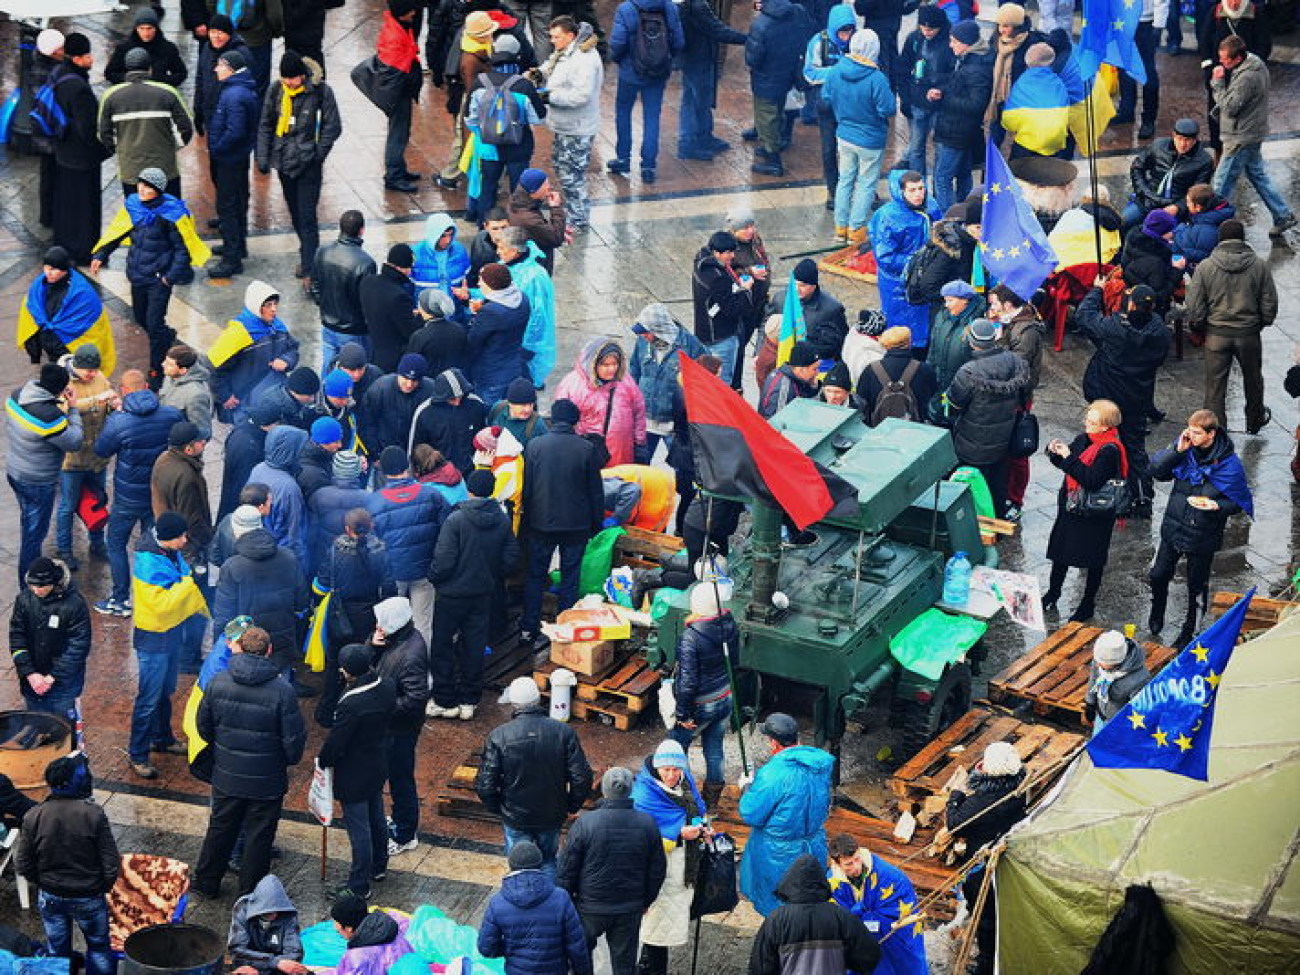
<point>1221,854</point>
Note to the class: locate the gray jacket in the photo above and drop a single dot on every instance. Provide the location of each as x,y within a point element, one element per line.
<point>1111,695</point>
<point>40,433</point>
<point>1242,100</point>
<point>192,395</point>
<point>263,944</point>
<point>1232,292</point>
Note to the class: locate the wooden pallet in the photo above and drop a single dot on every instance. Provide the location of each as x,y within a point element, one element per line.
<point>617,696</point>
<point>963,742</point>
<point>1261,614</point>
<point>1053,676</point>
<point>642,548</point>
<point>459,801</point>
<point>836,263</point>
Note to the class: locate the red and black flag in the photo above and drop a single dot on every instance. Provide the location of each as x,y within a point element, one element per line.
<point>738,454</point>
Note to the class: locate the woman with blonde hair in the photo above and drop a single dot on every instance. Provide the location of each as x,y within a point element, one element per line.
<point>1081,538</point>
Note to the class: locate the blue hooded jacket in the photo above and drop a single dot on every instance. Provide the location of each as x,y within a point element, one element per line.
<point>232,130</point>
<point>898,231</point>
<point>1200,234</point>
<point>137,434</point>
<point>408,517</point>
<point>287,521</point>
<point>775,46</point>
<point>622,36</point>
<point>439,268</point>
<point>786,808</point>
<point>863,103</point>
<point>825,50</point>
<point>534,926</point>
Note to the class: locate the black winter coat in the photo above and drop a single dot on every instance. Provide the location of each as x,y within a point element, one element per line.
<point>721,304</point>
<point>534,773</point>
<point>1190,529</point>
<point>137,435</point>
<point>1161,176</point>
<point>475,550</point>
<point>355,747</point>
<point>315,469</point>
<point>66,848</point>
<point>165,62</point>
<point>388,306</point>
<point>316,126</point>
<point>562,493</point>
<point>443,344</point>
<point>938,63</point>
<point>1149,261</point>
<point>386,413</point>
<point>701,662</point>
<point>966,94</point>
<point>450,429</point>
<point>613,861</point>
<point>336,279</point>
<point>982,403</point>
<point>264,581</point>
<point>981,792</point>
<point>250,716</point>
<point>704,32</point>
<point>952,259</point>
<point>775,48</point>
<point>895,361</point>
<point>1123,369</point>
<point>404,660</point>
<point>245,449</point>
<point>358,572</point>
<point>823,316</point>
<point>809,932</point>
<point>1083,543</point>
<point>326,510</point>
<point>60,650</point>
<point>80,147</point>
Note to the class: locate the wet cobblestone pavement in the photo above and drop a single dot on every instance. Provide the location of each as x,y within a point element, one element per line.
<point>639,249</point>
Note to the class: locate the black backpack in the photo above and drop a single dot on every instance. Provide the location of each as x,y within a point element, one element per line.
<point>501,120</point>
<point>652,56</point>
<point>895,398</point>
<point>915,270</point>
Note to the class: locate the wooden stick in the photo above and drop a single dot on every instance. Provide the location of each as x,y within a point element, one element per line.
<point>972,926</point>
<point>324,849</point>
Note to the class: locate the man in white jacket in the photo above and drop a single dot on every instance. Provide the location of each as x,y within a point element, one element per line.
<point>574,75</point>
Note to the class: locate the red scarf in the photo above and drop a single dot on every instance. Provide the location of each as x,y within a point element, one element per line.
<point>1090,452</point>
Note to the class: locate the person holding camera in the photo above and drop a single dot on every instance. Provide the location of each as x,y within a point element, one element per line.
<point>1081,539</point>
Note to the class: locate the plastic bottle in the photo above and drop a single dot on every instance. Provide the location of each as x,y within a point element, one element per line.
<point>956,580</point>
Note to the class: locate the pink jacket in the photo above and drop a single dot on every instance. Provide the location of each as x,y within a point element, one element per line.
<point>627,424</point>
<point>376,958</point>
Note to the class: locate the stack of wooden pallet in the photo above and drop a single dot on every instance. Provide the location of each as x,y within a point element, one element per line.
<point>617,696</point>
<point>1052,678</point>
<point>1262,613</point>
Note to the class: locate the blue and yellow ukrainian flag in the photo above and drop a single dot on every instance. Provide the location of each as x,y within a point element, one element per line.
<point>793,328</point>
<point>34,424</point>
<point>163,593</point>
<point>134,213</point>
<point>1037,112</point>
<point>313,647</point>
<point>1103,88</point>
<point>82,318</point>
<point>214,663</point>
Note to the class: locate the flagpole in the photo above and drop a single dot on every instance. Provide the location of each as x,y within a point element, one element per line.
<point>1092,167</point>
<point>736,713</point>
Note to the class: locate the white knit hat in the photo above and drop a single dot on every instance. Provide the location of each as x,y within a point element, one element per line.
<point>1000,758</point>
<point>522,692</point>
<point>393,613</point>
<point>1110,649</point>
<point>704,600</point>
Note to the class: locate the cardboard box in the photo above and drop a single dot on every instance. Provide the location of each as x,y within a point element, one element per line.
<point>588,625</point>
<point>589,657</point>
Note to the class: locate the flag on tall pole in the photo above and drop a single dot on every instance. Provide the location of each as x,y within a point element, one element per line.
<point>1013,247</point>
<point>1109,27</point>
<point>739,455</point>
<point>1169,723</point>
<point>793,327</point>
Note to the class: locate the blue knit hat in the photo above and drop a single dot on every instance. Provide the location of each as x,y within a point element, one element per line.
<point>338,385</point>
<point>670,754</point>
<point>325,430</point>
<point>531,180</point>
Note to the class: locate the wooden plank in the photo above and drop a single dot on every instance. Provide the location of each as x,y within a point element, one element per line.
<point>834,263</point>
<point>643,683</point>
<point>1261,614</point>
<point>1004,682</point>
<point>1044,665</point>
<point>935,753</point>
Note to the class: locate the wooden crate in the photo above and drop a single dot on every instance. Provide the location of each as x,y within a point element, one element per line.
<point>1053,676</point>
<point>1262,613</point>
<point>964,741</point>
<point>616,697</point>
<point>835,263</point>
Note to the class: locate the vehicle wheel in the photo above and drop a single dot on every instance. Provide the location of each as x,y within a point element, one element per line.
<point>918,723</point>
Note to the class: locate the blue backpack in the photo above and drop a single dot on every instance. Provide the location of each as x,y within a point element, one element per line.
<point>242,13</point>
<point>501,118</point>
<point>49,120</point>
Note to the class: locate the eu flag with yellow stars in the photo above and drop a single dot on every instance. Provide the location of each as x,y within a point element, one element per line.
<point>1107,37</point>
<point>1013,247</point>
<point>1168,724</point>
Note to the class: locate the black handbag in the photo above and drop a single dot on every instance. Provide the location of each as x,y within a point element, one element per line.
<point>1111,500</point>
<point>715,880</point>
<point>1024,435</point>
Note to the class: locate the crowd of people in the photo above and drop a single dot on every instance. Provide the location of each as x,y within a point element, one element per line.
<point>385,502</point>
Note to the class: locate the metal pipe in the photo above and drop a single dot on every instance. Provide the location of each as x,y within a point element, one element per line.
<point>867,689</point>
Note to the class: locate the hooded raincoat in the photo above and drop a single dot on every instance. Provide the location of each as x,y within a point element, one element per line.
<point>439,268</point>
<point>899,230</point>
<point>287,521</point>
<point>615,408</point>
<point>530,277</point>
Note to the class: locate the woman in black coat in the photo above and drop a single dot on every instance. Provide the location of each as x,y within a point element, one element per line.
<point>1148,258</point>
<point>1091,459</point>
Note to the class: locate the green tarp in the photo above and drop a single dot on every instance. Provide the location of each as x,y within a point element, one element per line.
<point>1221,854</point>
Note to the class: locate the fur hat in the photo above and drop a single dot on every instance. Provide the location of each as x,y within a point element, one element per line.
<point>1010,15</point>
<point>896,337</point>
<point>1000,758</point>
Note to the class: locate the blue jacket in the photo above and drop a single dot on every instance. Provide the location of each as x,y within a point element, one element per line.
<point>232,130</point>
<point>701,664</point>
<point>496,341</point>
<point>627,22</point>
<point>885,896</point>
<point>657,375</point>
<point>825,51</point>
<point>786,808</point>
<point>1200,234</point>
<point>863,103</point>
<point>408,516</point>
<point>435,268</point>
<point>898,231</point>
<point>775,47</point>
<point>137,434</point>
<point>157,248</point>
<point>326,509</point>
<point>287,521</point>
<point>534,926</point>
<point>650,796</point>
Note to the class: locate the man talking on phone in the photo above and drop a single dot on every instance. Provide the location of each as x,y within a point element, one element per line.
<point>1209,487</point>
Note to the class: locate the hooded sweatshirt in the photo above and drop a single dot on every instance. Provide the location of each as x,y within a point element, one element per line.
<point>287,521</point>
<point>40,434</point>
<point>439,268</point>
<point>859,95</point>
<point>1232,292</point>
<point>826,49</point>
<point>260,941</point>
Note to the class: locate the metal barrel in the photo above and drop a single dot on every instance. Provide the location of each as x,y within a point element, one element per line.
<point>175,949</point>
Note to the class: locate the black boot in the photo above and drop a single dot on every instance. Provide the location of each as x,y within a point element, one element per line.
<point>654,960</point>
<point>1159,598</point>
<point>1085,611</point>
<point>711,793</point>
<point>1051,598</point>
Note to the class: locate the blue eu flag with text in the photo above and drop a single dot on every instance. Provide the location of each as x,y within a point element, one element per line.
<point>1107,37</point>
<point>1013,247</point>
<point>1168,724</point>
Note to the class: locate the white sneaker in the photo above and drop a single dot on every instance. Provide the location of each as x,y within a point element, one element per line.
<point>432,710</point>
<point>466,712</point>
<point>395,848</point>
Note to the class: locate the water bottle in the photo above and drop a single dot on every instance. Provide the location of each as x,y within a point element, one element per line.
<point>956,580</point>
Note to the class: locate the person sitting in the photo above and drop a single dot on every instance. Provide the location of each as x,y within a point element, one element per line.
<point>1164,171</point>
<point>837,388</point>
<point>264,935</point>
<point>376,939</point>
<point>1199,217</point>
<point>789,382</point>
<point>1148,259</point>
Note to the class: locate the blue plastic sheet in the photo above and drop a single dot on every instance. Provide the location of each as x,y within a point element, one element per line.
<point>322,946</point>
<point>437,938</point>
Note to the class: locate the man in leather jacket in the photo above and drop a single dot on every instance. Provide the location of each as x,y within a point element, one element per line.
<point>1164,171</point>
<point>336,284</point>
<point>534,773</point>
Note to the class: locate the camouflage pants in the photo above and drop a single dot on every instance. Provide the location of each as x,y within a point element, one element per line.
<point>570,155</point>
